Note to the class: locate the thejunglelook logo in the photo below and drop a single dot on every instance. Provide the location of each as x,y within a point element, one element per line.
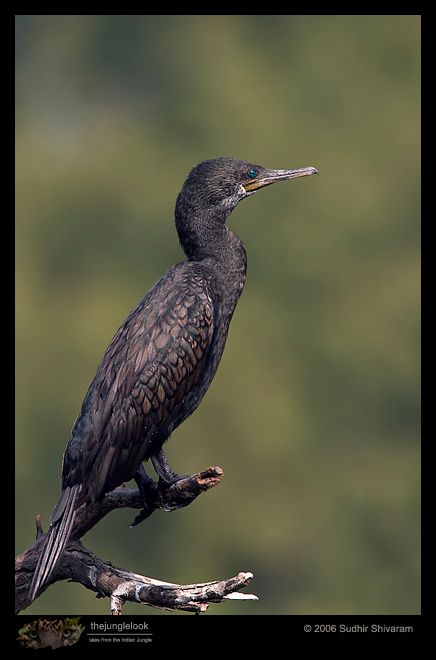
<point>42,633</point>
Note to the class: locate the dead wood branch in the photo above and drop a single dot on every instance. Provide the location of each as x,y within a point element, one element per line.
<point>80,565</point>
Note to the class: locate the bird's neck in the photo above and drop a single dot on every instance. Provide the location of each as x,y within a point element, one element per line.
<point>207,240</point>
<point>203,234</point>
<point>230,273</point>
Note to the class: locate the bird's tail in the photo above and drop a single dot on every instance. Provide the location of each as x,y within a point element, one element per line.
<point>61,522</point>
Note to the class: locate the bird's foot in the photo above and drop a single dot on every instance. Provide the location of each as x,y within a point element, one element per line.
<point>162,488</point>
<point>153,494</point>
<point>148,490</point>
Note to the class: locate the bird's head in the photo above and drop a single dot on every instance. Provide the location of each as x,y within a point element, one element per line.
<point>221,183</point>
<point>213,189</point>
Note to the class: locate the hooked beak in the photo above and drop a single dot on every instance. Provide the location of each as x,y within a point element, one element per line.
<point>272,176</point>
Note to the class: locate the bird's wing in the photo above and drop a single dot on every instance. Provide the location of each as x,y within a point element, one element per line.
<point>140,389</point>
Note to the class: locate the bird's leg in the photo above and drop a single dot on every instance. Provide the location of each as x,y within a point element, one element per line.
<point>152,492</point>
<point>166,475</point>
<point>161,465</point>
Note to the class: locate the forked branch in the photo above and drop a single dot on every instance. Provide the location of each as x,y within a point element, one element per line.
<point>80,565</point>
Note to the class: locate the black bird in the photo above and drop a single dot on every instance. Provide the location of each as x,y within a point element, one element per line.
<point>163,358</point>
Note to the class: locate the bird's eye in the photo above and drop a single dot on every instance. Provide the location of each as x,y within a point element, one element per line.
<point>252,174</point>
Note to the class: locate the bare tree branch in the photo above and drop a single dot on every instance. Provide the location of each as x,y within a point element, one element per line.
<point>80,565</point>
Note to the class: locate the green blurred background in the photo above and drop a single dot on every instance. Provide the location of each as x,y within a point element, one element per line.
<point>314,412</point>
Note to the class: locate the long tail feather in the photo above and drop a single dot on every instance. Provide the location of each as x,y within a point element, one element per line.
<point>61,523</point>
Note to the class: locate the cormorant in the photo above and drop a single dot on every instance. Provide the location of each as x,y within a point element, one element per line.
<point>163,358</point>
